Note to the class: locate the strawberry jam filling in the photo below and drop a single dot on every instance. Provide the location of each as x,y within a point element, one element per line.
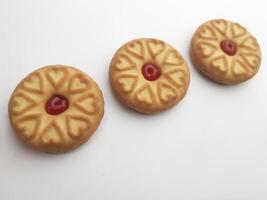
<point>229,47</point>
<point>56,105</point>
<point>150,72</point>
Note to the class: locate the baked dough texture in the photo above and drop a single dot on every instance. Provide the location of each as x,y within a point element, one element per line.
<point>210,59</point>
<point>62,132</point>
<point>140,94</point>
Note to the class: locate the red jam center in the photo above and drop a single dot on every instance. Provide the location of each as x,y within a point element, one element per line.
<point>56,105</point>
<point>229,47</point>
<point>150,71</point>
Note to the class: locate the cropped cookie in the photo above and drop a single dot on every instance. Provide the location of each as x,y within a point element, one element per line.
<point>149,75</point>
<point>225,52</point>
<point>56,108</point>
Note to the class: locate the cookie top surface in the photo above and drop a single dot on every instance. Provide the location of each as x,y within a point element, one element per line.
<point>56,108</point>
<point>149,75</point>
<point>225,52</point>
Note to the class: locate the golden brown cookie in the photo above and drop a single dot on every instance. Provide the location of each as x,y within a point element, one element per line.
<point>56,108</point>
<point>225,52</point>
<point>149,75</point>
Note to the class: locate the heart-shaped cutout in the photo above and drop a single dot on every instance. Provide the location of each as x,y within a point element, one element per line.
<point>220,25</point>
<point>123,63</point>
<point>166,93</point>
<point>127,83</point>
<point>77,126</point>
<point>87,104</point>
<point>22,103</point>
<point>252,60</point>
<point>176,77</point>
<point>56,76</point>
<point>34,83</point>
<point>239,69</point>
<point>29,125</point>
<point>207,33</point>
<point>155,47</point>
<point>52,134</point>
<point>237,30</point>
<point>145,95</point>
<point>220,64</point>
<point>207,49</point>
<point>79,83</point>
<point>250,43</point>
<point>136,49</point>
<point>172,58</point>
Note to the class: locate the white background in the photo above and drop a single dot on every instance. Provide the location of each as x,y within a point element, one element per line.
<point>211,146</point>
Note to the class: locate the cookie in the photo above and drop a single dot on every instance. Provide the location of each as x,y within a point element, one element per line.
<point>225,52</point>
<point>56,108</point>
<point>149,75</point>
